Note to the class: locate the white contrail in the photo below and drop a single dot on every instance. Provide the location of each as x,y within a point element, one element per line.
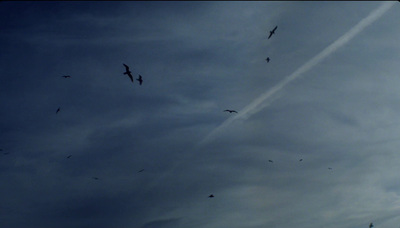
<point>260,102</point>
<point>265,99</point>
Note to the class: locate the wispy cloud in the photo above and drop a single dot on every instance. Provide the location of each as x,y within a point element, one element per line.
<point>265,99</point>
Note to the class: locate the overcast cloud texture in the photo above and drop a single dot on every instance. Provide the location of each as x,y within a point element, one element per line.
<point>315,142</point>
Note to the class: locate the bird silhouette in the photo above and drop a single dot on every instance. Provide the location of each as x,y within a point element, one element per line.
<point>230,111</point>
<point>267,59</point>
<point>301,160</point>
<point>140,170</point>
<point>272,32</point>
<point>371,225</point>
<point>66,76</point>
<point>58,110</point>
<point>140,79</point>
<point>96,178</point>
<point>128,72</point>
<point>329,168</point>
<point>69,156</point>
<point>271,161</point>
<point>211,196</point>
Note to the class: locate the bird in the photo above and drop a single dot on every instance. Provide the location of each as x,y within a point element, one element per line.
<point>267,59</point>
<point>69,156</point>
<point>140,79</point>
<point>371,225</point>
<point>211,196</point>
<point>58,110</point>
<point>96,178</point>
<point>128,72</point>
<point>329,168</point>
<point>271,161</point>
<point>66,76</point>
<point>301,160</point>
<point>230,111</point>
<point>140,170</point>
<point>272,32</point>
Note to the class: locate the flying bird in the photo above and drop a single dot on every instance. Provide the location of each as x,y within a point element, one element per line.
<point>66,76</point>
<point>57,110</point>
<point>267,59</point>
<point>128,72</point>
<point>372,225</point>
<point>69,156</point>
<point>271,161</point>
<point>272,32</point>
<point>211,196</point>
<point>230,111</point>
<point>301,160</point>
<point>140,170</point>
<point>329,168</point>
<point>96,178</point>
<point>140,79</point>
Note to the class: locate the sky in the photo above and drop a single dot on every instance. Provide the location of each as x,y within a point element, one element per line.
<point>314,142</point>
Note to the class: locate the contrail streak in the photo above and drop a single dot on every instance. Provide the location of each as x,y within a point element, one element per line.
<point>265,99</point>
<point>260,102</point>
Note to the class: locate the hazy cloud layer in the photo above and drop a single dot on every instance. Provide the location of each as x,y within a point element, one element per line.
<point>80,167</point>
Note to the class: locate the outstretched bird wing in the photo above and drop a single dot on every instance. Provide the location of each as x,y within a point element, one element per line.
<point>272,32</point>
<point>130,76</point>
<point>126,67</point>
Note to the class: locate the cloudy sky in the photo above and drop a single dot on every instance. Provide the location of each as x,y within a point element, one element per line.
<point>329,95</point>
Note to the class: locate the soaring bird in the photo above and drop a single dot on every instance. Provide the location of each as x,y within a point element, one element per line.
<point>371,225</point>
<point>267,59</point>
<point>301,160</point>
<point>272,32</point>
<point>329,168</point>
<point>96,178</point>
<point>128,72</point>
<point>140,79</point>
<point>57,110</point>
<point>66,76</point>
<point>230,111</point>
<point>140,170</point>
<point>69,156</point>
<point>271,161</point>
<point>211,196</point>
